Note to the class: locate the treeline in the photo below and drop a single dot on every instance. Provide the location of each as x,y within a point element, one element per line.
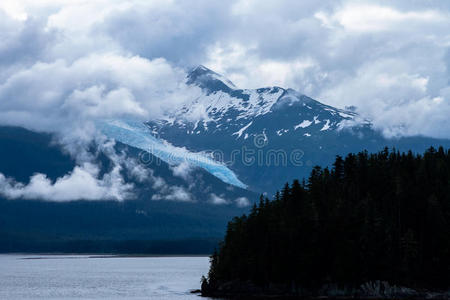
<point>370,217</point>
<point>43,244</point>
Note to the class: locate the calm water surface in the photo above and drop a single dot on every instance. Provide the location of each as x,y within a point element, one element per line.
<point>87,277</point>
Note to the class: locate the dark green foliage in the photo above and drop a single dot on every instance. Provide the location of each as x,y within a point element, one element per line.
<point>382,216</point>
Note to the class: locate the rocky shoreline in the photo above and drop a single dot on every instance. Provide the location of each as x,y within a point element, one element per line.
<point>370,290</point>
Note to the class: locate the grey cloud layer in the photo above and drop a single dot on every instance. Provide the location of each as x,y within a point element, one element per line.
<point>46,86</point>
<point>383,57</point>
<point>390,59</point>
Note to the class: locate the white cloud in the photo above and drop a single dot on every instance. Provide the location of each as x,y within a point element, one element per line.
<point>242,202</point>
<point>395,98</point>
<point>373,18</point>
<point>217,200</point>
<point>182,170</point>
<point>81,184</point>
<point>14,10</point>
<point>59,97</point>
<point>92,87</point>
<point>173,193</point>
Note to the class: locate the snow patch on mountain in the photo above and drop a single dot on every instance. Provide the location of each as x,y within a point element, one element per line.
<point>303,124</point>
<point>241,131</point>
<point>326,126</point>
<point>280,132</point>
<point>260,102</point>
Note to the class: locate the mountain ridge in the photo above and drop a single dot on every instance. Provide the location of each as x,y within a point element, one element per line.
<point>227,119</point>
<point>229,106</point>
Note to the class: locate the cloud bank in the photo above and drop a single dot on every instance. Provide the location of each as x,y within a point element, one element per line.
<point>390,59</point>
<point>81,184</point>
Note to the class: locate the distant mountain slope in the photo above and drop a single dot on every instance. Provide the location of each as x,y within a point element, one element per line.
<point>269,135</point>
<point>155,224</point>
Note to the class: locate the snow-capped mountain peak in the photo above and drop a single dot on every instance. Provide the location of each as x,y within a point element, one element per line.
<point>272,122</point>
<point>209,80</point>
<point>226,119</point>
<point>246,112</point>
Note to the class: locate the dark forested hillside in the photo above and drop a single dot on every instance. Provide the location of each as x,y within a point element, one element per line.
<point>370,217</point>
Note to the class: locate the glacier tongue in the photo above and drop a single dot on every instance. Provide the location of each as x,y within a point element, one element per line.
<point>136,134</point>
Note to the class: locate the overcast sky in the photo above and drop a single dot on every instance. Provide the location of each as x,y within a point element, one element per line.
<point>64,60</point>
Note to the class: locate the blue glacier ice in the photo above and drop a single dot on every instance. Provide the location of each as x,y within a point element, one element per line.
<point>138,135</point>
